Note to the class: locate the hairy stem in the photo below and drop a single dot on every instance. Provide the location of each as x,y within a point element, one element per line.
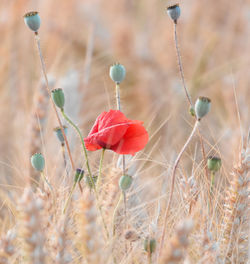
<point>53,104</point>
<point>173,182</point>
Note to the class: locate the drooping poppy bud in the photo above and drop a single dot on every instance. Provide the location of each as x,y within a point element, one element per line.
<point>174,12</point>
<point>59,133</point>
<point>79,175</point>
<point>58,97</point>
<point>213,163</point>
<point>202,107</point>
<point>125,182</point>
<point>37,161</point>
<point>32,20</point>
<point>117,73</point>
<point>150,245</point>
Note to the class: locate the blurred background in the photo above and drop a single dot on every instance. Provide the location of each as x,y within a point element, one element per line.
<point>80,39</point>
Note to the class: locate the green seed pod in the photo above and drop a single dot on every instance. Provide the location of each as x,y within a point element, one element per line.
<point>125,182</point>
<point>79,175</point>
<point>202,107</point>
<point>90,182</point>
<point>192,111</point>
<point>150,245</point>
<point>58,97</point>
<point>117,73</point>
<point>59,133</point>
<point>37,161</point>
<point>32,21</point>
<point>213,163</point>
<point>174,12</point>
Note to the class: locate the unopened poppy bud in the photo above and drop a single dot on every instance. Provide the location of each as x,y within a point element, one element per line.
<point>117,72</point>
<point>79,175</point>
<point>59,133</point>
<point>150,245</point>
<point>213,163</point>
<point>32,20</point>
<point>192,111</point>
<point>174,12</point>
<point>58,97</point>
<point>125,182</point>
<point>202,107</point>
<point>37,161</point>
<point>90,182</point>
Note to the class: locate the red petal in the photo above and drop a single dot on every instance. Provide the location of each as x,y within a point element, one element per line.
<point>111,118</point>
<point>134,140</point>
<point>106,137</point>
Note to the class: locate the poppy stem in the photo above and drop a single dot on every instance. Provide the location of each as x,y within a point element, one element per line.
<point>37,38</point>
<point>46,180</point>
<point>100,170</point>
<point>82,141</point>
<point>118,100</point>
<point>88,167</point>
<point>64,159</point>
<point>173,182</point>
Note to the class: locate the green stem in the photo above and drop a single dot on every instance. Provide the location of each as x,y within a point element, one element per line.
<point>212,181</point>
<point>82,141</point>
<point>88,167</point>
<point>46,180</point>
<point>69,198</point>
<point>100,170</point>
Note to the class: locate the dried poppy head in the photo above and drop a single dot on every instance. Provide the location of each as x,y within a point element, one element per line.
<point>32,20</point>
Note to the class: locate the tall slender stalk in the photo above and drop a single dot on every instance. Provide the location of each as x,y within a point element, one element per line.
<point>88,167</point>
<point>173,182</point>
<point>37,38</point>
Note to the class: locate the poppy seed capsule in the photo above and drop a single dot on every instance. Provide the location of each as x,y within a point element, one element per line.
<point>58,97</point>
<point>37,161</point>
<point>213,163</point>
<point>202,107</point>
<point>150,245</point>
<point>174,12</point>
<point>59,133</point>
<point>125,182</point>
<point>32,20</point>
<point>78,175</point>
<point>117,73</point>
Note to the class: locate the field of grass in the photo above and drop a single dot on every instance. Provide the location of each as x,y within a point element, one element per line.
<point>177,210</point>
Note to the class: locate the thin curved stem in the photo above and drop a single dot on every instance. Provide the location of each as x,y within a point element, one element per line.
<point>82,141</point>
<point>37,38</point>
<point>46,180</point>
<point>88,167</point>
<point>180,65</point>
<point>173,182</point>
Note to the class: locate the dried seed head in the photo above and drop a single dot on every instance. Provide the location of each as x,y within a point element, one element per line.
<point>117,72</point>
<point>150,245</point>
<point>37,161</point>
<point>202,107</point>
<point>174,12</point>
<point>32,20</point>
<point>79,175</point>
<point>213,163</point>
<point>125,182</point>
<point>58,97</point>
<point>59,133</point>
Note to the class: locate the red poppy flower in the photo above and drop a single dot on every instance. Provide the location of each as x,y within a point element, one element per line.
<point>112,130</point>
